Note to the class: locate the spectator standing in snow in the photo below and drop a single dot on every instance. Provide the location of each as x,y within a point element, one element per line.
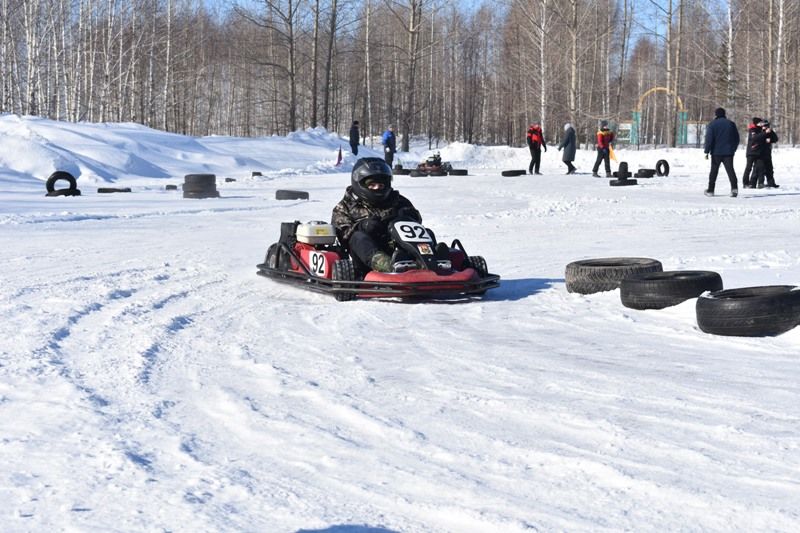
<point>355,137</point>
<point>604,139</point>
<point>569,144</point>
<point>536,142</point>
<point>722,140</point>
<point>751,152</point>
<point>762,143</point>
<point>389,141</point>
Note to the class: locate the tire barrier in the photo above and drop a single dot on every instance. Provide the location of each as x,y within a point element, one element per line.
<point>255,174</point>
<point>662,167</point>
<point>283,194</point>
<point>623,172</point>
<point>645,173</point>
<point>72,184</point>
<point>623,176</point>
<point>657,290</point>
<point>437,173</point>
<point>750,311</point>
<point>108,190</point>
<point>458,172</point>
<point>509,173</point>
<point>171,187</point>
<point>200,186</point>
<point>589,276</point>
<point>230,180</point>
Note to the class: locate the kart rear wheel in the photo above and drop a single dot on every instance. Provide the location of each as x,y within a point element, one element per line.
<point>343,270</point>
<point>479,264</point>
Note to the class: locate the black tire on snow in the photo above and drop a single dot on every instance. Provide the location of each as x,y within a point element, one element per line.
<point>230,180</point>
<point>645,173</point>
<point>198,195</point>
<point>343,270</point>
<point>201,180</point>
<point>622,182</point>
<point>657,290</point>
<point>61,175</point>
<point>750,311</point>
<point>171,187</point>
<point>589,276</point>
<point>458,172</point>
<point>284,194</point>
<point>662,167</point>
<point>64,192</point>
<point>510,173</point>
<point>108,190</point>
<point>194,187</point>
<point>622,171</point>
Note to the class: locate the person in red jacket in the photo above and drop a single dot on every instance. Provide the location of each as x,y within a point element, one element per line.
<point>604,139</point>
<point>536,142</point>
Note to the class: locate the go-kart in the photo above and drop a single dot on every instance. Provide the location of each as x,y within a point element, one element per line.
<point>433,166</point>
<point>309,256</point>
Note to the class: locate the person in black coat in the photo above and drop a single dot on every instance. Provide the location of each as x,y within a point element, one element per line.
<point>355,137</point>
<point>762,143</point>
<point>569,144</point>
<point>751,152</point>
<point>722,140</point>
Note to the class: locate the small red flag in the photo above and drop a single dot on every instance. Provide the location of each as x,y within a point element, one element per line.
<point>339,160</point>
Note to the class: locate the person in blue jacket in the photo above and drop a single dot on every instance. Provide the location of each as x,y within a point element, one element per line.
<point>722,140</point>
<point>389,144</point>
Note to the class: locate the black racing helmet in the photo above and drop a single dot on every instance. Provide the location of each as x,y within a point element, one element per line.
<point>372,180</point>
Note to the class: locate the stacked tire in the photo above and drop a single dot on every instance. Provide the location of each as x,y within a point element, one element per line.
<point>60,175</point>
<point>623,177</point>
<point>200,186</point>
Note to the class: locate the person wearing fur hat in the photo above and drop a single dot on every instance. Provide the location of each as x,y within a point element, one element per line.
<point>604,139</point>
<point>722,140</point>
<point>569,144</point>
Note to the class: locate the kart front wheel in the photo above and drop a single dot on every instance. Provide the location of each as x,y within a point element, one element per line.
<point>343,270</point>
<point>272,257</point>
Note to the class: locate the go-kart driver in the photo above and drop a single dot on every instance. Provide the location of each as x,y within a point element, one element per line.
<point>362,217</point>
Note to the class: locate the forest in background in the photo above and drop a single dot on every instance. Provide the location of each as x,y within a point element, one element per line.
<point>433,68</point>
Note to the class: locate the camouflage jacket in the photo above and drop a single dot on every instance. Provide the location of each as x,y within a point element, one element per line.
<point>351,209</point>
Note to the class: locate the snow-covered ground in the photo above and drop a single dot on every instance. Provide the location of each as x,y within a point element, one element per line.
<point>150,381</point>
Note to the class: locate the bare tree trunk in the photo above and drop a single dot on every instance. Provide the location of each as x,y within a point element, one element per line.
<point>167,68</point>
<point>368,73</point>
<point>412,51</point>
<point>315,65</point>
<point>329,66</point>
<point>778,58</point>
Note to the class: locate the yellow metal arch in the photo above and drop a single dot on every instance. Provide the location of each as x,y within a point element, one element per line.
<point>659,90</point>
